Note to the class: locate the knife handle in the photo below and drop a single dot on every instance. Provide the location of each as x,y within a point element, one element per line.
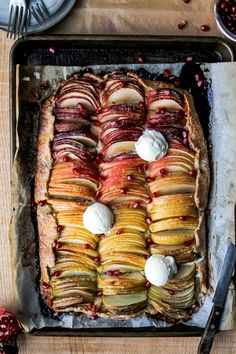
<point>210,330</point>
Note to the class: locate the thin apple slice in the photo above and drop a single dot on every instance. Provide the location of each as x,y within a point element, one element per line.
<point>119,147</point>
<point>85,295</point>
<point>176,199</point>
<point>78,249</point>
<point>117,303</point>
<point>80,239</point>
<point>71,191</point>
<point>62,304</point>
<point>173,184</point>
<point>185,272</point>
<point>173,237</point>
<point>180,252</point>
<point>171,211</point>
<point>62,204</point>
<point>174,224</point>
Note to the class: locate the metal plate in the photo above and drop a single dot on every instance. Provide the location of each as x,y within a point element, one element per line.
<point>86,50</point>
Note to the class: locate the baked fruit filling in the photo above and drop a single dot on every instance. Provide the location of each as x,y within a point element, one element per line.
<point>92,154</point>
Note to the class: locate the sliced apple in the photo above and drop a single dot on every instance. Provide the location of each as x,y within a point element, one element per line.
<point>123,304</point>
<point>173,183</point>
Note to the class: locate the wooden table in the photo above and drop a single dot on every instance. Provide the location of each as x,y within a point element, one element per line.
<point>225,342</point>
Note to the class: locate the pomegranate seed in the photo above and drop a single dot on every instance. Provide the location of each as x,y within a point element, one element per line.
<point>149,179</point>
<point>66,158</point>
<point>155,194</point>
<point>197,77</point>
<point>184,134</point>
<point>58,245</point>
<point>102,236</point>
<point>93,317</point>
<point>195,307</point>
<point>182,24</point>
<point>177,83</point>
<point>136,205</point>
<point>96,123</point>
<point>205,28</point>
<point>139,60</point>
<point>99,157</point>
<point>86,246</point>
<point>161,110</point>
<point>123,190</point>
<point>148,200</point>
<point>163,172</point>
<point>200,83</point>
<point>52,50</point>
<point>101,85</point>
<point>167,73</point>
<point>110,272</point>
<point>33,204</point>
<point>42,202</point>
<point>185,142</point>
<point>60,228</point>
<point>99,293</point>
<point>99,110</point>
<point>189,312</point>
<point>50,303</point>
<point>92,307</point>
<point>189,58</point>
<point>119,232</point>
<point>76,171</point>
<point>116,273</point>
<point>149,221</point>
<point>188,243</point>
<point>45,286</point>
<point>171,292</point>
<point>223,5</point>
<point>97,259</point>
<point>57,273</point>
<point>142,168</point>
<point>44,85</point>
<point>149,241</point>
<point>183,217</point>
<point>124,83</point>
<point>193,173</point>
<point>147,284</point>
<point>141,105</point>
<point>186,1</point>
<point>98,194</point>
<point>102,178</point>
<point>129,177</point>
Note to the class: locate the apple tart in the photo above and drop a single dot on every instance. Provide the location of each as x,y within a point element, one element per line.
<point>86,154</point>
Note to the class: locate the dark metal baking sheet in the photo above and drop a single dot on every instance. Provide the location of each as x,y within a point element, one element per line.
<point>84,51</point>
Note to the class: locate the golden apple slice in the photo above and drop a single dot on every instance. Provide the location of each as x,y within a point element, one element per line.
<point>171,211</point>
<point>80,259</point>
<point>120,304</point>
<point>79,239</point>
<point>180,252</point>
<point>175,199</point>
<point>62,304</point>
<point>173,183</point>
<point>127,279</point>
<point>71,191</point>
<point>62,204</point>
<point>185,272</point>
<point>78,249</point>
<point>173,237</point>
<point>122,251</point>
<point>174,224</point>
<point>85,295</point>
<point>123,263</point>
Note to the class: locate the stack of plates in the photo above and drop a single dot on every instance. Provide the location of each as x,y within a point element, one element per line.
<point>58,10</point>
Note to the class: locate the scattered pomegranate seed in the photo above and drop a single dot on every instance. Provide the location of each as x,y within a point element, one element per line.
<point>123,190</point>
<point>189,58</point>
<point>129,177</point>
<point>147,284</point>
<point>142,168</point>
<point>99,293</point>
<point>141,104</point>
<point>97,259</point>
<point>93,317</point>
<point>119,232</point>
<point>52,50</point>
<point>193,173</point>
<point>92,307</point>
<point>195,307</point>
<point>197,77</point>
<point>99,157</point>
<point>184,134</point>
<point>148,221</point>
<point>45,286</point>
<point>136,205</point>
<point>182,24</point>
<point>185,142</point>
<point>86,246</point>
<point>200,83</point>
<point>186,1</point>
<point>189,312</point>
<point>149,240</point>
<point>161,110</point>
<point>42,202</point>
<point>139,59</point>
<point>155,194</point>
<point>205,28</point>
<point>147,256</point>
<point>76,171</point>
<point>60,228</point>
<point>163,172</point>
<point>149,179</point>
<point>102,236</point>
<point>177,83</point>
<point>96,123</point>
<point>110,272</point>
<point>57,273</point>
<point>124,83</point>
<point>148,200</point>
<point>99,110</point>
<point>98,194</point>
<point>183,217</point>
<point>101,85</point>
<point>44,85</point>
<point>58,245</point>
<point>66,158</point>
<point>171,292</point>
<point>50,303</point>
<point>167,73</point>
<point>116,273</point>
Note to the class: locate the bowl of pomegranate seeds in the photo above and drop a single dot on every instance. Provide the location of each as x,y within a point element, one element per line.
<point>225,14</point>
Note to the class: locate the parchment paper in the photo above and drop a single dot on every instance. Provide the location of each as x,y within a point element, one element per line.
<point>222,197</point>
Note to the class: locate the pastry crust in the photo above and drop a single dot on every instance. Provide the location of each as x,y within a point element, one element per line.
<point>47,222</point>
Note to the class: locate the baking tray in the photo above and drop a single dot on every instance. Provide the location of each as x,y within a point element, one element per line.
<point>91,50</point>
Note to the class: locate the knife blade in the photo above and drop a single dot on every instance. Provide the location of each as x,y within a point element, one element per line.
<point>218,300</point>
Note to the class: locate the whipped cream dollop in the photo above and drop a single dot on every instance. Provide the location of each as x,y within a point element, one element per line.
<point>98,218</point>
<point>159,270</point>
<point>151,145</point>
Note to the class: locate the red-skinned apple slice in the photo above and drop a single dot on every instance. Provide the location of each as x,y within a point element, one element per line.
<point>169,99</point>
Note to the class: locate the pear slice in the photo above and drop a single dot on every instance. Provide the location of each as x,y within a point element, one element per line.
<point>125,303</point>
<point>173,237</point>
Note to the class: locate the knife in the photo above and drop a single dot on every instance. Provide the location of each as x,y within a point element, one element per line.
<point>218,300</point>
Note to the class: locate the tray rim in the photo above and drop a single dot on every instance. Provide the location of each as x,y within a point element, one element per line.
<point>174,331</point>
